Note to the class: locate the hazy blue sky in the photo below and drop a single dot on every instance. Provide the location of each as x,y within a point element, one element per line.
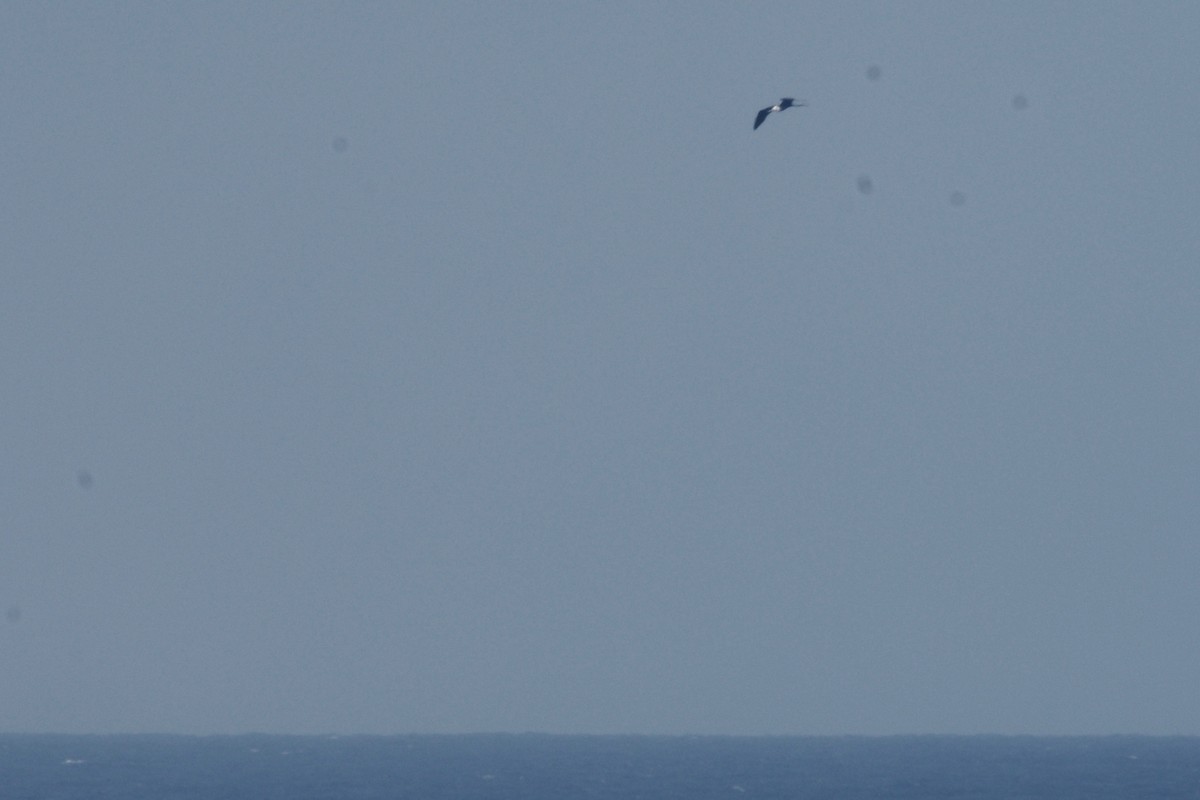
<point>464,367</point>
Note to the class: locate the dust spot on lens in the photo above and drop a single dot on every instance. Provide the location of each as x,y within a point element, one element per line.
<point>13,614</point>
<point>1020,102</point>
<point>958,199</point>
<point>874,73</point>
<point>340,144</point>
<point>865,185</point>
<point>84,478</point>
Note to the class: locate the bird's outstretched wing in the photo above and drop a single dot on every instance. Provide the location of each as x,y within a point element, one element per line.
<point>761,116</point>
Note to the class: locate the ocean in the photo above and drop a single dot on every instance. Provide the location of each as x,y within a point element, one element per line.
<point>551,767</point>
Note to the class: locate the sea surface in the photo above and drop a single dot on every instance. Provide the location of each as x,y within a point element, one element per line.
<point>548,767</point>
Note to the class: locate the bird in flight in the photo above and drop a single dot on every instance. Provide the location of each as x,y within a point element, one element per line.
<point>786,102</point>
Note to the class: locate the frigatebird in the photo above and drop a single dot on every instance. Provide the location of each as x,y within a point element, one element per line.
<point>786,102</point>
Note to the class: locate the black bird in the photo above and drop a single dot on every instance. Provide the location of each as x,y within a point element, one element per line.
<point>786,102</point>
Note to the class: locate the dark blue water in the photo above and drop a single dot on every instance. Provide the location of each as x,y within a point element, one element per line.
<point>541,767</point>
